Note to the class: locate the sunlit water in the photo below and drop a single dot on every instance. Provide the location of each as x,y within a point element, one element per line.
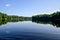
<point>28,30</point>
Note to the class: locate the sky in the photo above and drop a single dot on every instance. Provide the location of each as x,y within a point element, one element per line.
<point>29,7</point>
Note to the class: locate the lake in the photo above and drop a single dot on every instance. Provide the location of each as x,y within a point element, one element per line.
<point>28,30</point>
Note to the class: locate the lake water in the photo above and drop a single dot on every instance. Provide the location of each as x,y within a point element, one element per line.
<point>28,30</point>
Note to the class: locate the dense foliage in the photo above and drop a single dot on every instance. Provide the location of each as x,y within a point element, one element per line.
<point>4,17</point>
<point>45,17</point>
<point>53,19</point>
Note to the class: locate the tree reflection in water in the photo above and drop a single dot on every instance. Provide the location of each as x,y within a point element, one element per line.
<point>54,23</point>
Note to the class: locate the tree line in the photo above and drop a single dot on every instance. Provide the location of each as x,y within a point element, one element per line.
<point>53,18</point>
<point>4,16</point>
<point>44,17</point>
<point>47,17</point>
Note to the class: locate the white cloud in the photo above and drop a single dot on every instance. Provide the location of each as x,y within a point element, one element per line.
<point>7,5</point>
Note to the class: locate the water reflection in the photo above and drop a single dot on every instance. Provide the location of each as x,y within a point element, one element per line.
<point>29,30</point>
<point>54,23</point>
<point>2,22</point>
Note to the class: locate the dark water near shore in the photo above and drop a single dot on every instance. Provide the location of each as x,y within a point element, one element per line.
<point>28,30</point>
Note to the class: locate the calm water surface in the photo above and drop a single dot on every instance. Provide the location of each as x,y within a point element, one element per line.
<point>28,30</point>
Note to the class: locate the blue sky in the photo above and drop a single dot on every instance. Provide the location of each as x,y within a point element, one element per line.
<point>29,7</point>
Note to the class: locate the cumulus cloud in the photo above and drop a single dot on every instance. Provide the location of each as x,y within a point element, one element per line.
<point>7,5</point>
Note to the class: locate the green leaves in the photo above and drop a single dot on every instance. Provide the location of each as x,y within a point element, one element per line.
<point>46,17</point>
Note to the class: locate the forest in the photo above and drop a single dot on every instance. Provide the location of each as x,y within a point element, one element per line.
<point>53,18</point>
<point>42,17</point>
<point>47,17</point>
<point>4,16</point>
